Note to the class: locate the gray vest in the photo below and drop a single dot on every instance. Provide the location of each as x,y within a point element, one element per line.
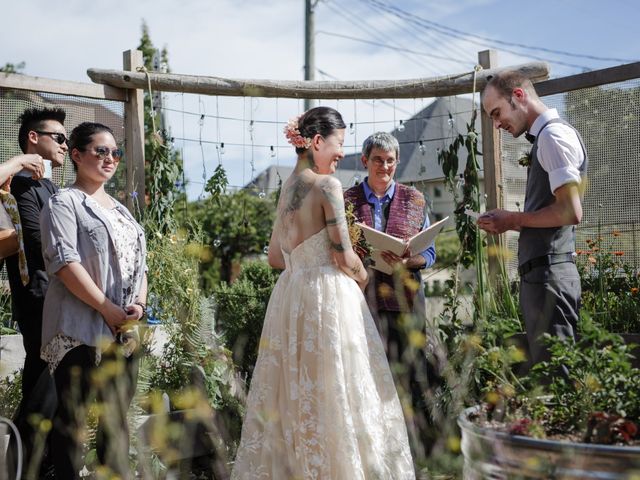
<point>537,242</point>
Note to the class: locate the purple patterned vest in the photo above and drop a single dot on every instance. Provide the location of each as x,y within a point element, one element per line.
<point>406,218</point>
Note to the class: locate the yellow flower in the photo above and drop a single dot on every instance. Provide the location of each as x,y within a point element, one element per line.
<point>492,398</point>
<point>517,355</point>
<point>417,339</point>
<point>592,383</point>
<point>453,443</point>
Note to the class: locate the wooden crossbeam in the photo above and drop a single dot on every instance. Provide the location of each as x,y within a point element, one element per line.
<point>357,89</point>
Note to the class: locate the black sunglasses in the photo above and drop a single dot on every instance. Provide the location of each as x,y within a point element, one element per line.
<point>59,138</point>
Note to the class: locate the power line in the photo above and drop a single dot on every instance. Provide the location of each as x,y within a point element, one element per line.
<point>391,47</point>
<point>359,22</point>
<point>497,41</point>
<point>440,42</point>
<point>465,36</point>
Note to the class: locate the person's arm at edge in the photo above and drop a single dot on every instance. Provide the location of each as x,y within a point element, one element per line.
<point>565,210</point>
<point>31,162</point>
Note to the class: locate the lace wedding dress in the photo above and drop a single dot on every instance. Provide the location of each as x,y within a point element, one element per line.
<point>322,403</point>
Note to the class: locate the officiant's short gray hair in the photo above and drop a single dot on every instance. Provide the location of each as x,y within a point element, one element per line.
<point>383,141</point>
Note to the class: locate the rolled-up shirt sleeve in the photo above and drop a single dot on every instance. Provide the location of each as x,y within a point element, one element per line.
<point>58,227</point>
<point>560,154</point>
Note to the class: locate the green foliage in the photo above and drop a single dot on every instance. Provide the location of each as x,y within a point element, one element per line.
<point>600,378</point>
<point>193,352</point>
<point>236,228</point>
<point>610,286</point>
<point>447,248</point>
<point>164,165</point>
<point>10,393</point>
<point>6,322</point>
<point>470,199</point>
<point>13,67</point>
<point>217,184</point>
<point>241,308</point>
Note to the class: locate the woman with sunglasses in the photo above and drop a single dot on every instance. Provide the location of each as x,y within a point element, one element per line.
<point>95,255</point>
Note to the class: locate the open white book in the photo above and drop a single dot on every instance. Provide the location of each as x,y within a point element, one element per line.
<point>381,241</point>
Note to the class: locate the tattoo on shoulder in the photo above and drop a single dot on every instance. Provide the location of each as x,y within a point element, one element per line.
<point>333,192</point>
<point>355,269</point>
<point>295,195</point>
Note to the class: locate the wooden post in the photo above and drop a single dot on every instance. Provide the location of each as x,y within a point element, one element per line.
<point>134,136</point>
<point>492,160</point>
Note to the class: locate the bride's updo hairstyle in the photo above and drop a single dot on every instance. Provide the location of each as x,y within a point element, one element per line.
<point>318,120</point>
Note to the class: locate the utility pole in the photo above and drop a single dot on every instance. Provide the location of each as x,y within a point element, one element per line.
<point>309,47</point>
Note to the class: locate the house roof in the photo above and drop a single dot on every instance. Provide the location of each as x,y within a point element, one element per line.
<point>268,179</point>
<point>436,126</point>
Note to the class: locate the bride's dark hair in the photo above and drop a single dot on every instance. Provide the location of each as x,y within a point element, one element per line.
<point>322,120</point>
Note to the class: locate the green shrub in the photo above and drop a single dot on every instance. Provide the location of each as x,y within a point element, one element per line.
<point>10,393</point>
<point>241,308</point>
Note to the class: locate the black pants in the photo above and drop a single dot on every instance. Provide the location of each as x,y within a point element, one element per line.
<point>413,374</point>
<point>39,399</point>
<point>79,381</point>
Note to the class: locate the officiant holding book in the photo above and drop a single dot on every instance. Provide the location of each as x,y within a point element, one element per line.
<point>397,301</point>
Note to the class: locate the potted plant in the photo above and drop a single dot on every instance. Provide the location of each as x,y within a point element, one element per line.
<point>583,424</point>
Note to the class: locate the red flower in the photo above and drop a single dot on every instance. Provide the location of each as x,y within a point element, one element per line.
<point>520,427</point>
<point>618,253</point>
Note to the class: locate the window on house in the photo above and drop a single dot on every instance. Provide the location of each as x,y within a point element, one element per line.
<point>437,192</point>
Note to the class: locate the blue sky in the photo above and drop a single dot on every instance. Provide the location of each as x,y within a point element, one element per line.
<point>264,39</point>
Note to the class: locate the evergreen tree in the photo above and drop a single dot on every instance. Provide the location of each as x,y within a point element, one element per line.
<point>163,166</point>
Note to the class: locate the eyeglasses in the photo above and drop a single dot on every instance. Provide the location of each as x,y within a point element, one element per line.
<point>103,152</point>
<point>59,138</point>
<point>379,162</point>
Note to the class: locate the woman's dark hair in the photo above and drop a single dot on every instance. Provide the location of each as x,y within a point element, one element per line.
<point>82,135</point>
<point>322,120</point>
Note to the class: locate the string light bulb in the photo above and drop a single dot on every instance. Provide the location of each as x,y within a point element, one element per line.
<point>272,151</point>
<point>217,242</point>
<point>401,126</point>
<point>221,148</point>
<point>262,193</point>
<point>352,130</point>
<point>421,148</point>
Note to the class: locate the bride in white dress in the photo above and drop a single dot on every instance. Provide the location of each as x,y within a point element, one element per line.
<point>322,403</point>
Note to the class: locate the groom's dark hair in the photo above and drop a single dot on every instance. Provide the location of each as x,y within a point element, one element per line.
<point>322,120</point>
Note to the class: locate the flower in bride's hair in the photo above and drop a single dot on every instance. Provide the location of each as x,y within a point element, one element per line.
<point>292,132</point>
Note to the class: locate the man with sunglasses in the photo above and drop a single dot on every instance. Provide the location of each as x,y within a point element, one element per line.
<point>397,301</point>
<point>41,132</point>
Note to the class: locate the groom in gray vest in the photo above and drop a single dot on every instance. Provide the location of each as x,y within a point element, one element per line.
<point>549,281</point>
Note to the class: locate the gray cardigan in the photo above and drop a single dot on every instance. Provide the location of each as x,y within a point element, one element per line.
<point>73,230</point>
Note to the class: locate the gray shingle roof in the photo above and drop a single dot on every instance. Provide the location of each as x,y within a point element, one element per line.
<point>436,125</point>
